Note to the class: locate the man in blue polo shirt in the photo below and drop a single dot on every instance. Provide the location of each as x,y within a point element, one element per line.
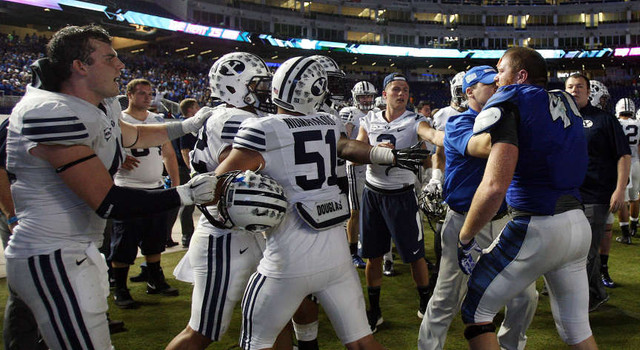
<point>465,162</point>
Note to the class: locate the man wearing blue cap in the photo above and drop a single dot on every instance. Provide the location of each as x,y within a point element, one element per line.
<point>389,203</point>
<point>538,160</point>
<point>465,162</point>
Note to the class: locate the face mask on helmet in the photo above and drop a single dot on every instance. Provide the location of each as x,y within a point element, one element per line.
<point>299,85</point>
<point>249,201</point>
<point>260,88</point>
<point>364,95</point>
<point>235,79</point>
<point>337,84</point>
<point>625,108</point>
<point>457,95</point>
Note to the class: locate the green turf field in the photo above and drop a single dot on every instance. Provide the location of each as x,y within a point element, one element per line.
<point>616,325</point>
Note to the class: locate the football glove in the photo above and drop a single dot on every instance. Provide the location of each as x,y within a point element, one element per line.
<point>465,260</point>
<point>199,190</point>
<point>433,188</point>
<point>410,158</point>
<point>194,123</point>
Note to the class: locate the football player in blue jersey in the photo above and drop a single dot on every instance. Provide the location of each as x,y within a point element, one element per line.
<point>538,159</point>
<point>465,162</point>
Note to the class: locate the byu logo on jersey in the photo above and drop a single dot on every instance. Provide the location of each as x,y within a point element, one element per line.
<point>319,86</point>
<point>107,134</point>
<point>231,68</point>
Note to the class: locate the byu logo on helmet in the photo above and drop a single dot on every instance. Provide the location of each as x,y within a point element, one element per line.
<point>319,86</point>
<point>232,67</point>
<point>242,79</point>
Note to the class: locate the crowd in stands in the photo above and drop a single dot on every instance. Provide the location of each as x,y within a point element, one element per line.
<point>16,54</point>
<point>177,78</point>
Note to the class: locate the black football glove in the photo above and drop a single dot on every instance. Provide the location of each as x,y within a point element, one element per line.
<point>410,158</point>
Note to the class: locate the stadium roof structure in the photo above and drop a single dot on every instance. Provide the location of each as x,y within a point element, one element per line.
<point>129,23</point>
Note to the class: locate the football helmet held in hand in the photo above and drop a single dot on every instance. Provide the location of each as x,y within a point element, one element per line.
<point>431,203</point>
<point>250,201</point>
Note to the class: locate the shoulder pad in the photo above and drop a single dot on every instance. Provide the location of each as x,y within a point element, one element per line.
<point>486,119</point>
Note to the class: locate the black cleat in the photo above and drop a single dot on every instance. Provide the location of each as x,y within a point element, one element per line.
<point>606,279</point>
<point>143,276</point>
<point>122,298</point>
<point>115,326</point>
<point>595,303</point>
<point>162,288</point>
<point>375,319</point>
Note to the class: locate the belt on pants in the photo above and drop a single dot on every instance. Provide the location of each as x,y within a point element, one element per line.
<point>498,216</point>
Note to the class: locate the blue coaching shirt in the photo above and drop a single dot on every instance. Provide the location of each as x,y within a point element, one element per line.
<point>606,143</point>
<point>463,173</point>
<point>553,158</point>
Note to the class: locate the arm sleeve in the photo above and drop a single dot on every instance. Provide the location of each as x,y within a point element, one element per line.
<point>123,203</point>
<point>506,129</point>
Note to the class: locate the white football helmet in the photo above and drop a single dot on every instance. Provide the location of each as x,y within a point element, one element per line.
<point>457,95</point>
<point>626,107</point>
<point>299,85</point>
<point>381,102</point>
<point>242,79</point>
<point>364,88</point>
<point>336,84</point>
<point>598,91</point>
<point>252,201</point>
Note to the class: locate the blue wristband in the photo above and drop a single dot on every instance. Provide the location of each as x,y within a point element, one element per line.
<point>12,220</point>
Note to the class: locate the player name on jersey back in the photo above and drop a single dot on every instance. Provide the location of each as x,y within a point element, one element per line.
<point>301,122</point>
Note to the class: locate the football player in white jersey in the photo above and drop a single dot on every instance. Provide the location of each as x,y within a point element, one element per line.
<point>222,259</point>
<point>308,252</point>
<point>364,94</point>
<point>145,232</point>
<point>64,144</point>
<point>625,112</point>
<point>389,203</point>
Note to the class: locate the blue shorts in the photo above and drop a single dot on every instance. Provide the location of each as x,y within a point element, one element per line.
<point>391,214</point>
<point>149,233</point>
